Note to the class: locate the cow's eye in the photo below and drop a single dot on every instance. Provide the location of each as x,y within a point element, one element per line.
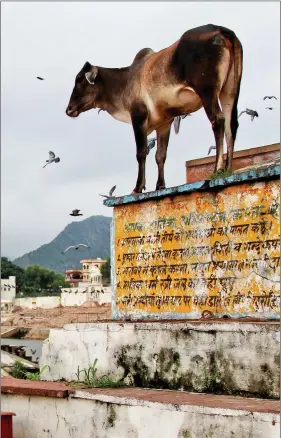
<point>79,80</point>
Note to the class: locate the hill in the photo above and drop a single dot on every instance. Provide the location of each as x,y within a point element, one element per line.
<point>93,231</point>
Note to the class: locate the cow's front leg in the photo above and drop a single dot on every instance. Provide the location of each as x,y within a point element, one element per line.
<point>139,121</point>
<point>163,135</point>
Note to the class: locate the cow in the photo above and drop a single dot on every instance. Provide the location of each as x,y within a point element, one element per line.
<point>202,69</point>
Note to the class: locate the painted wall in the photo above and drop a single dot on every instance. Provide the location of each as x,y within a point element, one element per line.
<point>67,299</point>
<point>213,250</point>
<point>8,288</point>
<point>35,302</point>
<point>112,417</point>
<point>78,297</point>
<point>229,357</point>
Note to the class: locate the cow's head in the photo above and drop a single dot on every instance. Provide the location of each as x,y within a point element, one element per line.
<point>86,91</point>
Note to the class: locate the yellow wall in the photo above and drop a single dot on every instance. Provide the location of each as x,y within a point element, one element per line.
<point>216,251</point>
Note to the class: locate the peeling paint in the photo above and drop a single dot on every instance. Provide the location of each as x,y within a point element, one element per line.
<point>205,250</point>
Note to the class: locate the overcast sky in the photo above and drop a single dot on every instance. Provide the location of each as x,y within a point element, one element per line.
<point>54,40</point>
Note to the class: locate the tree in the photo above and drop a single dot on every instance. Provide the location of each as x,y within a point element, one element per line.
<point>105,270</point>
<point>42,281</point>
<point>9,269</point>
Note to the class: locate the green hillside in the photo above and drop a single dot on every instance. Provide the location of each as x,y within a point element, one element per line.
<point>93,231</point>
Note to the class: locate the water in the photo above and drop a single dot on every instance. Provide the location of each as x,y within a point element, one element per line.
<point>28,344</point>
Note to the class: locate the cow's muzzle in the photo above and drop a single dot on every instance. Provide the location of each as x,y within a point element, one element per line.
<point>71,111</point>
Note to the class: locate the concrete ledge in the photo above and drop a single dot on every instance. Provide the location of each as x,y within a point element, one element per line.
<point>35,388</point>
<point>179,400</point>
<point>236,178</point>
<point>141,414</point>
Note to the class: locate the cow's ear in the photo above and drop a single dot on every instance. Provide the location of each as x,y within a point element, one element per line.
<point>91,75</point>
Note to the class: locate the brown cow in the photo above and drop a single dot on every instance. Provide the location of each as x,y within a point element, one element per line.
<point>203,68</point>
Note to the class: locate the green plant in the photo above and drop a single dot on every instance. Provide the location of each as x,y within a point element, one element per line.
<point>107,382</point>
<point>219,174</point>
<point>90,374</point>
<point>19,372</point>
<point>36,376</point>
<point>92,381</point>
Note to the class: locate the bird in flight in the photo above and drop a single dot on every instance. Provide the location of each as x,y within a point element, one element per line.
<point>52,159</point>
<point>40,79</point>
<point>270,97</point>
<point>177,122</point>
<point>75,246</point>
<point>210,149</point>
<point>150,145</point>
<point>110,193</point>
<point>75,213</point>
<point>250,112</point>
<point>270,108</point>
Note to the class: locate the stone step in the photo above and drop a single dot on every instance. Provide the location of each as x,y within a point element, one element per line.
<point>204,356</point>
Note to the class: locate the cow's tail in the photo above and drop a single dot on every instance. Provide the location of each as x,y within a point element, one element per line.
<point>238,68</point>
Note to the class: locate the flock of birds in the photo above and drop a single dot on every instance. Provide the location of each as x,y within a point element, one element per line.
<point>75,213</point>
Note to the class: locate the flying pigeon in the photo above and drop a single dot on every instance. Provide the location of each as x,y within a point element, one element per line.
<point>110,193</point>
<point>75,246</point>
<point>269,107</point>
<point>52,159</point>
<point>75,213</point>
<point>33,351</point>
<point>40,79</point>
<point>150,145</point>
<point>177,121</point>
<point>270,97</point>
<point>210,149</point>
<point>250,112</point>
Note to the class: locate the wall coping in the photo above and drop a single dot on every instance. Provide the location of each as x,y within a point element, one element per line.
<point>9,385</point>
<point>261,173</point>
<point>181,400</point>
<point>161,399</point>
<point>259,150</point>
<point>175,325</point>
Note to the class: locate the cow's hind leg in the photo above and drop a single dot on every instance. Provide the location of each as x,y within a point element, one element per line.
<point>163,135</point>
<point>215,115</point>
<point>228,99</point>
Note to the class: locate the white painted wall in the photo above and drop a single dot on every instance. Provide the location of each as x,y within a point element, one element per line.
<point>37,302</point>
<point>115,417</point>
<point>77,296</point>
<point>68,298</point>
<point>8,288</point>
<point>246,355</point>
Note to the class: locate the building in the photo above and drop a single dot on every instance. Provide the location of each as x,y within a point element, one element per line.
<point>90,289</point>
<point>8,288</point>
<point>8,294</point>
<point>75,276</point>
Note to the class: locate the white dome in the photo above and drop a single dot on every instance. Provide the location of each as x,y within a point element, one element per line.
<point>94,271</point>
<point>95,276</point>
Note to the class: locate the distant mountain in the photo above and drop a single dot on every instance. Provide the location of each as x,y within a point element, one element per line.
<point>94,231</point>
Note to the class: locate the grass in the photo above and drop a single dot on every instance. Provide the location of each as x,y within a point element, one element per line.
<point>90,379</point>
<point>18,371</point>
